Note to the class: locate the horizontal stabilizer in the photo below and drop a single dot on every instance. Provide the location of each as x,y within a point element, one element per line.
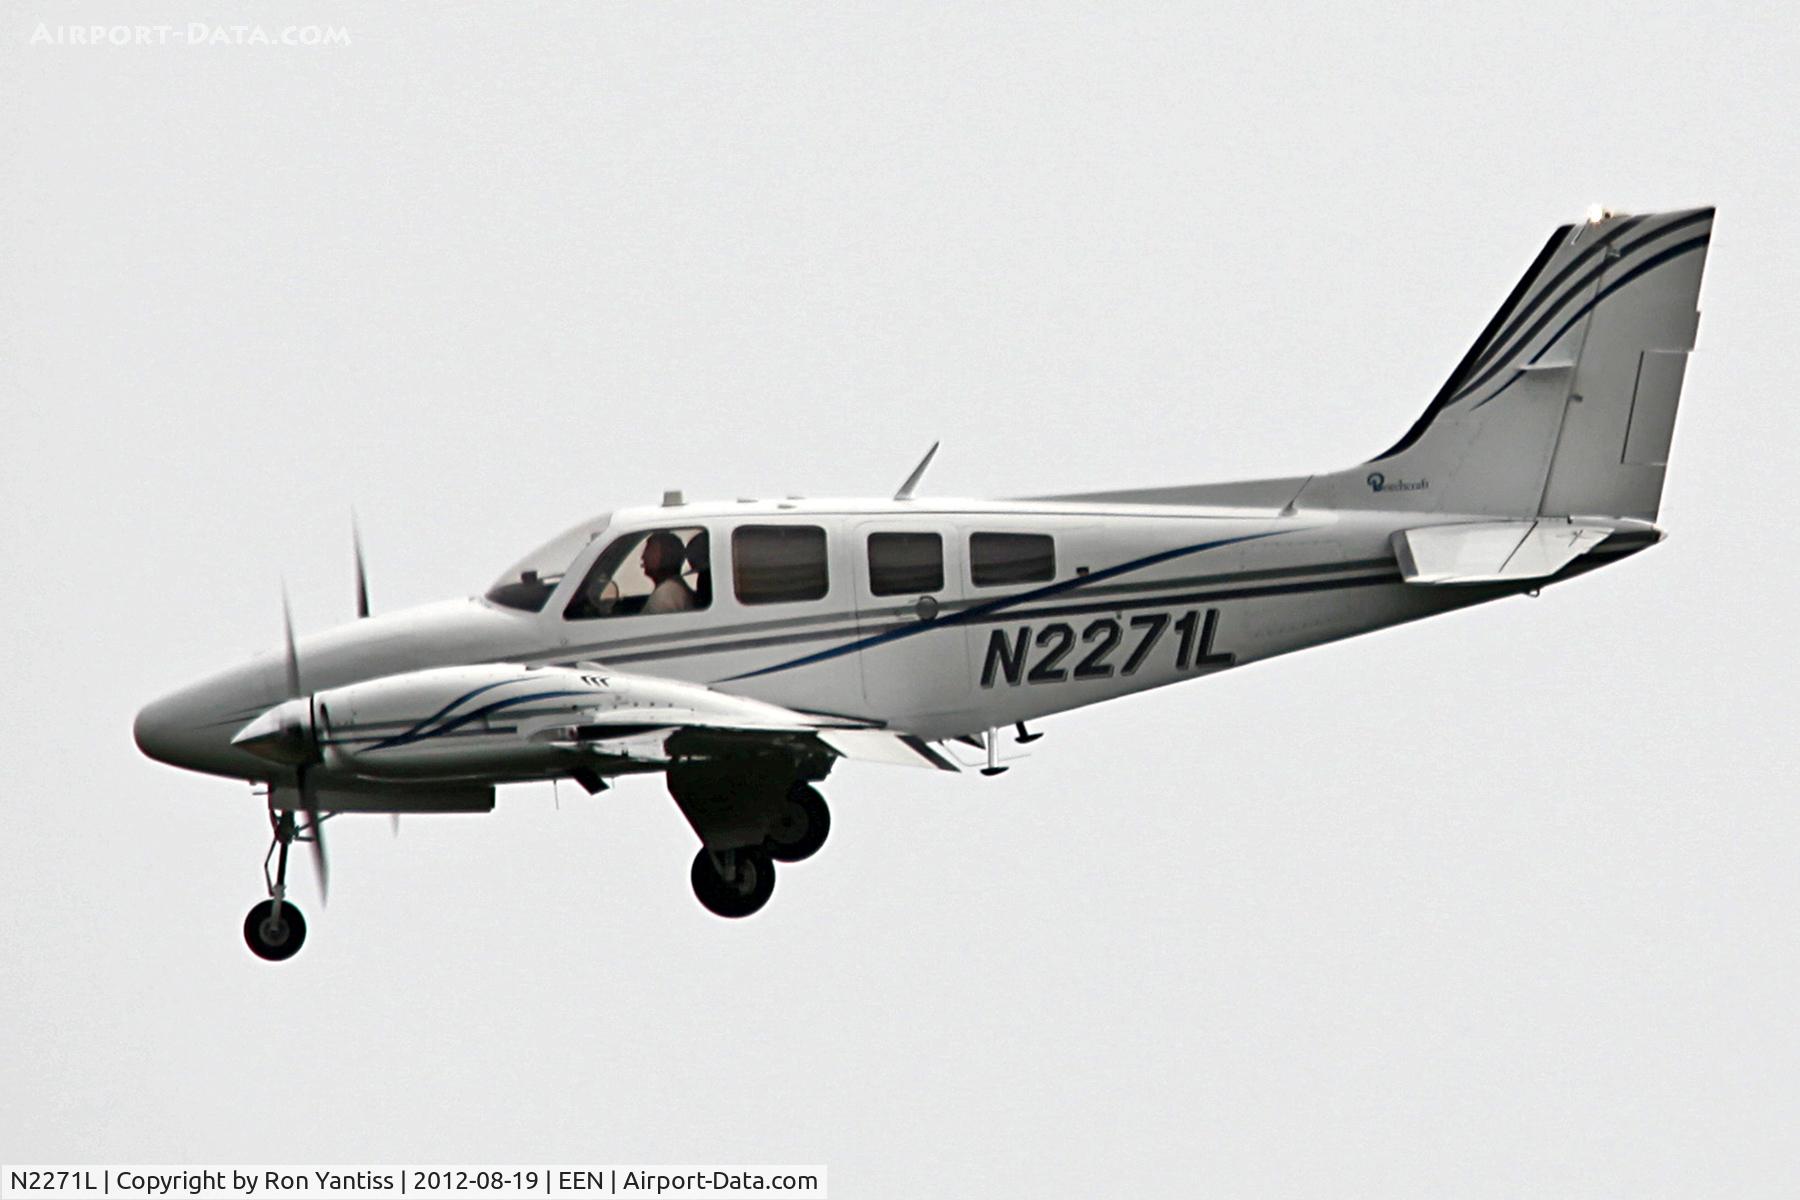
<point>1493,551</point>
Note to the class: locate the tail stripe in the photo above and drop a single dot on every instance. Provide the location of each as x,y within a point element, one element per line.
<point>1448,392</point>
<point>1643,268</point>
<point>1530,308</point>
<point>1501,361</point>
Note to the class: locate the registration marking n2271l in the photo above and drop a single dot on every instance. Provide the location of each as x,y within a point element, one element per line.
<point>1060,652</point>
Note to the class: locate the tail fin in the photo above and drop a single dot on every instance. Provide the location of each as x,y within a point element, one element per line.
<point>1566,403</point>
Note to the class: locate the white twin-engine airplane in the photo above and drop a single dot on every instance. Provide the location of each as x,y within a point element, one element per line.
<point>741,649</point>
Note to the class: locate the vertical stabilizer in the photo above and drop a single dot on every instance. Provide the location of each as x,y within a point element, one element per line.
<point>1566,402</point>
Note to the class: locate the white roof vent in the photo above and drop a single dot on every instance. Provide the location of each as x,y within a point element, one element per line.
<point>673,499</point>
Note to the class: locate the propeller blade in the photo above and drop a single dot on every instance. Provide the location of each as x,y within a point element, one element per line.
<point>318,845</point>
<point>309,803</point>
<point>362,574</point>
<point>293,656</point>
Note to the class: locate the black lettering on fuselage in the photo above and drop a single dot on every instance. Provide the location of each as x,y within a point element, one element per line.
<point>1094,665</point>
<point>1007,651</point>
<point>1153,625</point>
<point>1060,639</point>
<point>1004,657</point>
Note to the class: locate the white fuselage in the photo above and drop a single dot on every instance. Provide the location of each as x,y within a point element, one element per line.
<point>1136,596</point>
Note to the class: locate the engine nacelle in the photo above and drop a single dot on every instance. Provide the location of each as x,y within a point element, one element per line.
<point>497,722</point>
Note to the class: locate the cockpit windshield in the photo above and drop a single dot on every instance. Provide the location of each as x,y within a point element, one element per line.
<point>527,584</point>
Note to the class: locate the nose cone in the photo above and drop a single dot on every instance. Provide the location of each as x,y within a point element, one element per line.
<point>174,730</point>
<point>193,728</point>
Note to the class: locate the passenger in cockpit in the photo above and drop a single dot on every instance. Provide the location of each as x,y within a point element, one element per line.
<point>699,561</point>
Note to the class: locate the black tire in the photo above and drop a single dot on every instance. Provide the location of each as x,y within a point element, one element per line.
<point>801,825</point>
<point>274,942</point>
<point>740,897</point>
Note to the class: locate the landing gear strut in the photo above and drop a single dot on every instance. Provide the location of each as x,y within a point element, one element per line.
<point>733,883</point>
<point>274,930</point>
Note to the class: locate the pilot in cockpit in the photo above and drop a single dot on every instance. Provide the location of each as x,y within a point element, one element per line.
<point>664,557</point>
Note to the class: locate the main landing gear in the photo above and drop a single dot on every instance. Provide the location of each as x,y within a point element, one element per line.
<point>733,883</point>
<point>748,820</point>
<point>799,825</point>
<point>274,930</point>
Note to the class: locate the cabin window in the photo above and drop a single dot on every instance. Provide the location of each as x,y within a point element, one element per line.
<point>997,559</point>
<point>905,564</point>
<point>648,573</point>
<point>778,564</point>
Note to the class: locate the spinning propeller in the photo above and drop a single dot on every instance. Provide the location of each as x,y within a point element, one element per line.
<point>362,607</point>
<point>289,732</point>
<point>362,575</point>
<point>308,799</point>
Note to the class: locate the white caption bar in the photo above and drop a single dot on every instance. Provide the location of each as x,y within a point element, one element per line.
<point>414,1182</point>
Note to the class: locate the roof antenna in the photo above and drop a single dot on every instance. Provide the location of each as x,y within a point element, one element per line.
<point>918,473</point>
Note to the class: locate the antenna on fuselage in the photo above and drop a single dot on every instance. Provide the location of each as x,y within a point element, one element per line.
<point>918,473</point>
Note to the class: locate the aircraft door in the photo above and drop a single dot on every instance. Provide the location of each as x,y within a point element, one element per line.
<point>909,583</point>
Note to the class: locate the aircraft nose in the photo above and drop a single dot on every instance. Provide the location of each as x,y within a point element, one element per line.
<point>165,730</point>
<point>191,728</point>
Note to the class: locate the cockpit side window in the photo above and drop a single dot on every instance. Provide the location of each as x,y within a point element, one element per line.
<point>647,573</point>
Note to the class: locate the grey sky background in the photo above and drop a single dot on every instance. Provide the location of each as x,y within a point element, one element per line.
<point>1498,904</point>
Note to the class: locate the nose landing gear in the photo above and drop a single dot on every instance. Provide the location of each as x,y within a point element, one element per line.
<point>274,929</point>
<point>274,936</point>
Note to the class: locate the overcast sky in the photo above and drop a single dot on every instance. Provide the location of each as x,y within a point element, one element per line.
<point>1498,904</point>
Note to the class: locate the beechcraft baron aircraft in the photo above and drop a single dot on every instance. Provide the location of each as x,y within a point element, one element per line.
<point>741,649</point>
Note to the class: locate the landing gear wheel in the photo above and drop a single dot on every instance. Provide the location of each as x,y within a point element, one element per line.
<point>274,939</point>
<point>751,884</point>
<point>800,825</point>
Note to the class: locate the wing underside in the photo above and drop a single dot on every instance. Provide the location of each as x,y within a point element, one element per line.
<point>668,734</point>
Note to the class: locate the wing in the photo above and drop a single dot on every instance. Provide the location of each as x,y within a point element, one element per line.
<point>507,722</point>
<point>730,726</point>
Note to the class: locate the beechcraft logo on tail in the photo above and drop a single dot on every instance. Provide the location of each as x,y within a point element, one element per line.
<point>1380,483</point>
